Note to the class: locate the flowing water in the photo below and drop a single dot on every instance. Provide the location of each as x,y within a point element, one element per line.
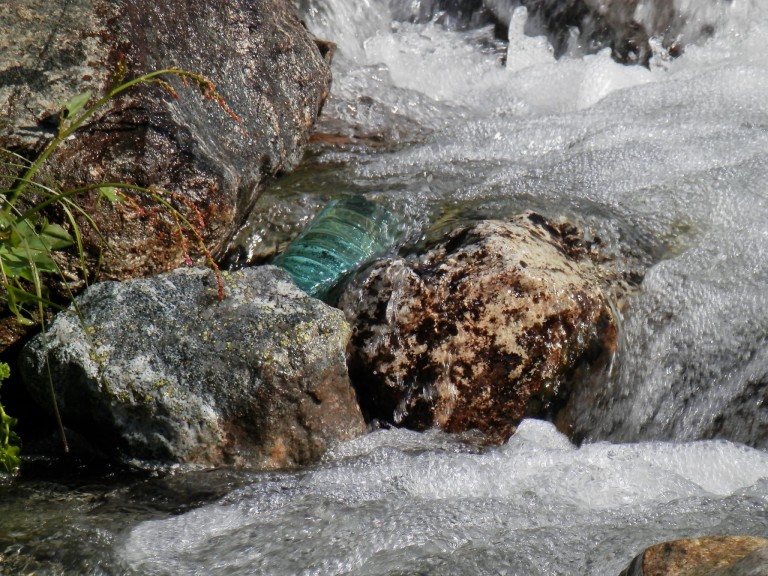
<point>667,164</point>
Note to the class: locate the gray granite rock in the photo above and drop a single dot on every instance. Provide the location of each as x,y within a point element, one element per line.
<point>480,331</point>
<point>162,369</point>
<point>264,63</point>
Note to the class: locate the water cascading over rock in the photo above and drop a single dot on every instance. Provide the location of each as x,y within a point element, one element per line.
<point>628,28</point>
<point>709,556</point>
<point>480,331</point>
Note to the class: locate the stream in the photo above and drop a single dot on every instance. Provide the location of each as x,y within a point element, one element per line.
<point>445,124</point>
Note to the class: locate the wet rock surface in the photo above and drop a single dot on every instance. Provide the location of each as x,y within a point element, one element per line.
<point>480,331</point>
<point>709,556</point>
<point>626,27</point>
<point>160,369</point>
<point>269,70</point>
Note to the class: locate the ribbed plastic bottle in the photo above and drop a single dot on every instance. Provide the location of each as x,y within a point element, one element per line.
<point>345,234</point>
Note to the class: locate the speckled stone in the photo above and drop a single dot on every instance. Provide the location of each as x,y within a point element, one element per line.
<point>160,369</point>
<point>480,331</point>
<point>708,556</point>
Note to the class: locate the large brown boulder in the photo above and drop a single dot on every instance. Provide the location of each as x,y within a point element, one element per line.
<point>263,62</point>
<point>480,331</point>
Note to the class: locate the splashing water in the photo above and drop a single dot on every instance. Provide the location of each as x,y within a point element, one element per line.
<point>400,502</point>
<point>668,165</point>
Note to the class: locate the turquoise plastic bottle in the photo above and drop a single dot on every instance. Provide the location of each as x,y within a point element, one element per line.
<point>345,234</point>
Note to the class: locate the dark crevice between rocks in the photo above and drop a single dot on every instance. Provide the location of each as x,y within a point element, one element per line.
<point>327,49</point>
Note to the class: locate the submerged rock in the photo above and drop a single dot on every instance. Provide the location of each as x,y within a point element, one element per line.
<point>708,556</point>
<point>480,331</point>
<point>264,63</point>
<point>162,369</point>
<point>628,28</point>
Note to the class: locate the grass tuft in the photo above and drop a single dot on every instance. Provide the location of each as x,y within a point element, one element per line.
<point>29,241</point>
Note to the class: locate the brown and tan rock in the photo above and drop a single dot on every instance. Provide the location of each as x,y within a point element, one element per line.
<point>260,57</point>
<point>627,27</point>
<point>708,556</point>
<point>480,331</point>
<point>264,63</point>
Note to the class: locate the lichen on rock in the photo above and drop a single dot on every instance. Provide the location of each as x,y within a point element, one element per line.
<point>160,369</point>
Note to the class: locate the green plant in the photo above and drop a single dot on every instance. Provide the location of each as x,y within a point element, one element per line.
<point>28,240</point>
<point>9,441</point>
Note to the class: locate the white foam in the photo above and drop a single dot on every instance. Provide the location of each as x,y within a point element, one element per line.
<point>396,499</point>
<point>525,51</point>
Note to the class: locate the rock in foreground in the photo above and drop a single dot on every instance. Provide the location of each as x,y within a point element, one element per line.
<point>161,369</point>
<point>479,332</point>
<point>709,556</point>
